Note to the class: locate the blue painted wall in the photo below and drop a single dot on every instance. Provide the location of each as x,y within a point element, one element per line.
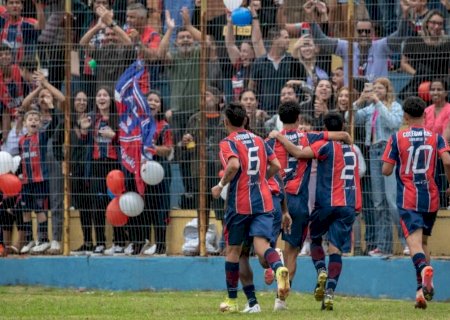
<point>362,276</point>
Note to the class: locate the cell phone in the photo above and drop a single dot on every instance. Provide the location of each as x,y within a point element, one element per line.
<point>305,32</point>
<point>44,72</point>
<point>368,86</point>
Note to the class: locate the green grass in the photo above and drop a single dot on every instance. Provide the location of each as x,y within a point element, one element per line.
<point>47,303</point>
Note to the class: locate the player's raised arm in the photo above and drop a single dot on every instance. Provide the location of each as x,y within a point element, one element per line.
<point>296,151</point>
<point>340,136</point>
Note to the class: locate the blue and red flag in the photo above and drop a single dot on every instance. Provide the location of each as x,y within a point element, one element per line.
<point>136,124</point>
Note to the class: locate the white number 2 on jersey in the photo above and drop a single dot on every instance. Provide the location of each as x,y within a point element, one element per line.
<point>348,172</point>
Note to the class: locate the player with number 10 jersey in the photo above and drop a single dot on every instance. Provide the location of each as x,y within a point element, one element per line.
<point>415,150</point>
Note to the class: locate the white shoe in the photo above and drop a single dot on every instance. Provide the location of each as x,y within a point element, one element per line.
<point>99,249</point>
<point>114,251</point>
<point>280,253</point>
<point>55,248</point>
<point>150,251</point>
<point>26,249</point>
<point>279,305</point>
<point>129,250</point>
<point>306,249</point>
<point>406,251</point>
<point>40,248</point>
<point>145,246</point>
<point>255,309</point>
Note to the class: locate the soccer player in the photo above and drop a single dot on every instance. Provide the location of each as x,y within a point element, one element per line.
<point>281,221</point>
<point>338,196</point>
<point>414,152</point>
<point>296,173</point>
<point>248,161</point>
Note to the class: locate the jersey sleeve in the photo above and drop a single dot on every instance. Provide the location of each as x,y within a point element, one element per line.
<point>227,151</point>
<point>320,149</point>
<point>391,152</point>
<point>269,151</point>
<point>316,136</point>
<point>271,142</point>
<point>442,145</point>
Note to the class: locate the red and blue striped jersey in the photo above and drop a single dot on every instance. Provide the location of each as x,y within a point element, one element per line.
<point>162,137</point>
<point>276,186</point>
<point>33,151</point>
<point>104,148</point>
<point>249,191</point>
<point>415,151</point>
<point>338,183</point>
<point>296,172</point>
<point>20,36</point>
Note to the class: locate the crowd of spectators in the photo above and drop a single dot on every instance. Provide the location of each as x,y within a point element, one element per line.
<point>272,60</point>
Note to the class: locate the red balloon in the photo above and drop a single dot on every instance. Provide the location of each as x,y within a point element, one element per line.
<point>114,215</point>
<point>115,181</point>
<point>10,185</point>
<point>221,173</point>
<point>424,91</point>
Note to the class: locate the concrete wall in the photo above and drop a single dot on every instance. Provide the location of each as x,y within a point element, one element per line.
<point>362,276</point>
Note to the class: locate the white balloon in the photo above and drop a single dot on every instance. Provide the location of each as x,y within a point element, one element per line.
<point>152,173</point>
<point>16,163</point>
<point>6,162</point>
<point>131,203</point>
<point>224,192</point>
<point>232,4</point>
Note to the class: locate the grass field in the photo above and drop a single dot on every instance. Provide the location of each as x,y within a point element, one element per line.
<point>48,303</point>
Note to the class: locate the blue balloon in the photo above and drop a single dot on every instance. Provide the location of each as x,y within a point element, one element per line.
<point>241,17</point>
<point>110,194</point>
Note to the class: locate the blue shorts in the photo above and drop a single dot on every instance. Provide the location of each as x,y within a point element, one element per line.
<point>337,221</point>
<point>240,227</point>
<point>299,212</point>
<point>277,215</point>
<point>35,197</point>
<point>412,220</point>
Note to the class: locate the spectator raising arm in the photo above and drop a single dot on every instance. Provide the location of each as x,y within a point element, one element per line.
<point>196,34</point>
<point>39,77</point>
<point>257,38</point>
<point>165,41</point>
<point>230,43</point>
<point>85,40</point>
<point>106,16</point>
<point>105,20</point>
<point>40,24</point>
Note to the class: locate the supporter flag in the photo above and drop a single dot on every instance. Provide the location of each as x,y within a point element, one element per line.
<point>136,124</point>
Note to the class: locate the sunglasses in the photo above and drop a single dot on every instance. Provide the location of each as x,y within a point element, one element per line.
<point>366,31</point>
